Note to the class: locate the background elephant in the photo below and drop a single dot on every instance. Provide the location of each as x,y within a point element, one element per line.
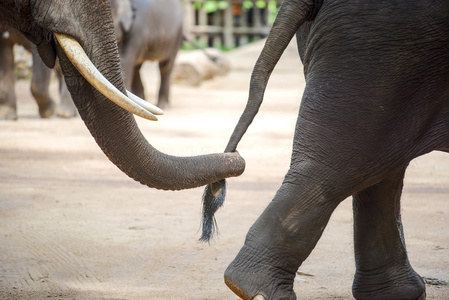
<point>376,97</point>
<point>155,33</point>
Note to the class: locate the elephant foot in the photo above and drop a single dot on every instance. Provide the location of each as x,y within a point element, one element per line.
<point>389,284</point>
<point>260,275</point>
<point>66,115</point>
<point>67,112</point>
<point>48,110</point>
<point>9,114</point>
<point>163,104</point>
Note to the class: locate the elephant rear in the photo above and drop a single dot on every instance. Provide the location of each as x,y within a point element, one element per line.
<point>162,27</point>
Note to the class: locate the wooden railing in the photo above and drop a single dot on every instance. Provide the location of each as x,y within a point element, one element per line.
<point>229,23</point>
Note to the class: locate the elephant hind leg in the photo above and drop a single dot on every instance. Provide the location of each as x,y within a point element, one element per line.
<point>165,68</point>
<point>40,83</point>
<point>383,269</point>
<point>8,101</point>
<point>285,234</point>
<point>137,86</point>
<point>66,108</point>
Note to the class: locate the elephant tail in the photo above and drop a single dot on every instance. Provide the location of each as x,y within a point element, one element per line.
<point>292,14</point>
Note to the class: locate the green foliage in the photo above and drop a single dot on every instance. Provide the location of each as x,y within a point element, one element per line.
<point>212,6</point>
<point>186,46</point>
<point>272,12</point>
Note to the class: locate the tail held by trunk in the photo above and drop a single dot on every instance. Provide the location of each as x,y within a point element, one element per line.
<point>292,14</point>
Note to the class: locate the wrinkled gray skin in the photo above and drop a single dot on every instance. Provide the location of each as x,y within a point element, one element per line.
<point>376,97</point>
<point>114,129</point>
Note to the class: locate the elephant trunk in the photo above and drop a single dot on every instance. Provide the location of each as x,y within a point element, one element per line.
<point>116,132</point>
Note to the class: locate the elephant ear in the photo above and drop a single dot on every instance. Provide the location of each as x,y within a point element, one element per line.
<point>126,13</point>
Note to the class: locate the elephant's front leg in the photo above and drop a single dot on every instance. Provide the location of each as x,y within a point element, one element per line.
<point>137,85</point>
<point>283,236</point>
<point>8,102</point>
<point>383,269</point>
<point>165,68</point>
<point>67,108</point>
<point>40,83</point>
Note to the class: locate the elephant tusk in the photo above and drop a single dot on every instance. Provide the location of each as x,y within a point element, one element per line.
<point>259,297</point>
<point>82,63</point>
<point>148,106</point>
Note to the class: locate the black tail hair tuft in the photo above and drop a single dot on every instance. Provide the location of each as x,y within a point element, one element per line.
<point>213,198</point>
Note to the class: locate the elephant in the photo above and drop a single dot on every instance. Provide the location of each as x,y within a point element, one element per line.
<point>155,33</point>
<point>376,97</point>
<point>80,34</point>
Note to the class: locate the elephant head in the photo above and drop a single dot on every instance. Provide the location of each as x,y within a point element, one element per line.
<point>89,24</point>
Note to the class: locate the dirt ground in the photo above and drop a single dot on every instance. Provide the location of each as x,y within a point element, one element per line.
<point>72,226</point>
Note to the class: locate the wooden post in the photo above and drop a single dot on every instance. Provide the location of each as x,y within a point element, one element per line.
<point>257,23</point>
<point>202,21</point>
<point>228,34</point>
<point>243,38</point>
<point>189,17</point>
<point>224,31</point>
<point>217,40</point>
<point>265,15</point>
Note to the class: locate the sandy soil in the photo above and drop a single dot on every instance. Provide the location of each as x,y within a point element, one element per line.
<point>72,226</point>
